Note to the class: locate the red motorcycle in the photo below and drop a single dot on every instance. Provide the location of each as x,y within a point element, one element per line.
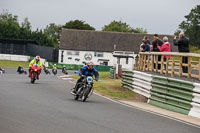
<point>34,73</point>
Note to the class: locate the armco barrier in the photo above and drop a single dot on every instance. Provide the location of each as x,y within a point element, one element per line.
<point>168,93</point>
<point>133,80</point>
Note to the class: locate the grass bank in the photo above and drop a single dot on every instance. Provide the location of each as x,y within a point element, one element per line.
<point>13,64</point>
<point>110,87</point>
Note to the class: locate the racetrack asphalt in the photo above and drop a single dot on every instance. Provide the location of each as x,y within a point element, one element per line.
<point>48,107</point>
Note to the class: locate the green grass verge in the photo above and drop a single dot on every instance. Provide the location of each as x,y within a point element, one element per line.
<point>110,87</point>
<point>13,64</point>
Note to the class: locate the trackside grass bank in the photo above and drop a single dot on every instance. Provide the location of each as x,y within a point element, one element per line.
<point>13,64</point>
<point>110,87</point>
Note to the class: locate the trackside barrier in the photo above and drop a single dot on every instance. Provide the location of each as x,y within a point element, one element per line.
<point>99,68</point>
<point>168,93</point>
<point>20,58</point>
<point>112,74</point>
<point>133,80</point>
<point>14,57</point>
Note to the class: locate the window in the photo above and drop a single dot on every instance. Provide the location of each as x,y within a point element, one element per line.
<point>73,53</point>
<point>98,54</point>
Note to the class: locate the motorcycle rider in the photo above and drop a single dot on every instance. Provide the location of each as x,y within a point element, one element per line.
<point>2,70</point>
<point>36,60</point>
<point>54,66</point>
<point>54,70</point>
<point>46,69</point>
<point>20,70</point>
<point>87,70</point>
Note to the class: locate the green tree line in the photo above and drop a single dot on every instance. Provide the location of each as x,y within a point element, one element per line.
<point>10,28</point>
<point>191,26</point>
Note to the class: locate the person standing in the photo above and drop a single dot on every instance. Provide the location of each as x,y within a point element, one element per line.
<point>146,39</point>
<point>155,48</point>
<point>183,46</point>
<point>166,47</point>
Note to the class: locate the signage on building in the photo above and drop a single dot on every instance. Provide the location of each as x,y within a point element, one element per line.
<point>88,56</point>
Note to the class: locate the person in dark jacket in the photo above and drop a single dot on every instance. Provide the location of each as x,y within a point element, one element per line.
<point>183,46</point>
<point>155,48</point>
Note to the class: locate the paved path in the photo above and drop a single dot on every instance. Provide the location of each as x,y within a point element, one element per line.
<point>48,107</point>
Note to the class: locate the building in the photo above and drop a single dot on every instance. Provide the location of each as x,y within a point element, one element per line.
<point>80,46</point>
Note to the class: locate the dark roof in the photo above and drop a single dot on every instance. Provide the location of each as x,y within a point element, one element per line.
<point>85,40</point>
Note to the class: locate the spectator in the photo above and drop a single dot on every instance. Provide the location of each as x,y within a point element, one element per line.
<point>142,46</point>
<point>166,47</point>
<point>146,46</point>
<point>146,40</point>
<point>183,46</point>
<point>155,48</point>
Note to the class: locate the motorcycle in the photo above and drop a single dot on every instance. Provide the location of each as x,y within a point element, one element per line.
<point>21,70</point>
<point>46,70</point>
<point>85,89</point>
<point>2,70</point>
<point>34,73</point>
<point>54,71</point>
<point>64,70</point>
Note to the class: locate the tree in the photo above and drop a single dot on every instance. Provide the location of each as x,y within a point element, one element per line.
<point>41,38</point>
<point>139,30</point>
<point>78,24</point>
<point>9,26</point>
<point>25,29</point>
<point>53,32</point>
<point>119,26</point>
<point>191,26</point>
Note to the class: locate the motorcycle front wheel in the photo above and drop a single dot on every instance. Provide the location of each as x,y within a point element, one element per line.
<point>85,94</point>
<point>33,77</point>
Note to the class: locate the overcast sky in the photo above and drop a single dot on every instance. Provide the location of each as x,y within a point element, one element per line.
<point>157,16</point>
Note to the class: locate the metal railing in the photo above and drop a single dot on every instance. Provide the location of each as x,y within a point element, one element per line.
<point>149,61</point>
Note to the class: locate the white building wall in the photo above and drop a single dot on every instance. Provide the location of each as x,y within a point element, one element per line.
<point>123,62</point>
<point>79,59</point>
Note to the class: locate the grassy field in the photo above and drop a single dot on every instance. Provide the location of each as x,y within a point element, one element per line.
<point>110,87</point>
<point>13,64</point>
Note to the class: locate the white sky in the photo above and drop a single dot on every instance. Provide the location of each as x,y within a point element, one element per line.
<point>157,16</point>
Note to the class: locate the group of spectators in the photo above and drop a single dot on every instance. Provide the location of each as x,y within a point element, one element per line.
<point>163,45</point>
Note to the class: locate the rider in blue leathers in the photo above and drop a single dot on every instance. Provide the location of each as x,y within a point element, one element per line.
<point>85,71</point>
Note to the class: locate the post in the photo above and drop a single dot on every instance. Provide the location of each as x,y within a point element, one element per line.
<point>172,71</point>
<point>180,66</point>
<point>199,69</point>
<point>148,62</point>
<point>167,63</point>
<point>152,63</point>
<point>144,59</point>
<point>156,63</point>
<point>140,62</point>
<point>162,61</point>
<point>189,66</point>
